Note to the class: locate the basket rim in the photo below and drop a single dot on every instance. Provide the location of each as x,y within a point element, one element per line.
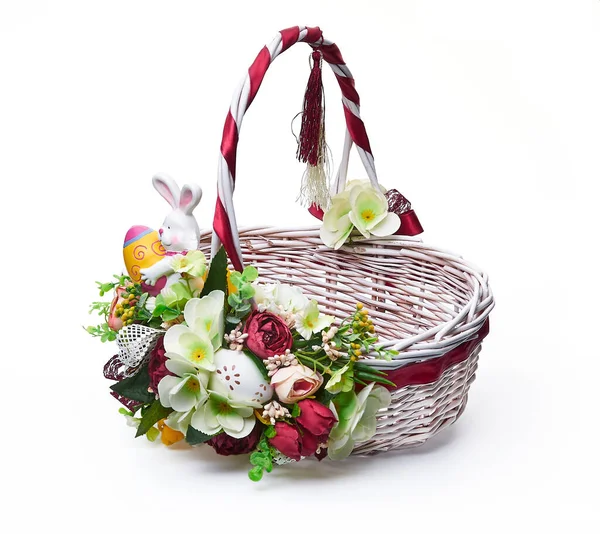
<point>431,342</point>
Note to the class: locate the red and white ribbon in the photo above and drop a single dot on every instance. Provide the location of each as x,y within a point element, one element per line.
<point>225,226</point>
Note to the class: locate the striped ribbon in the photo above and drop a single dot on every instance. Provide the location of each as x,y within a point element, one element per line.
<point>224,224</point>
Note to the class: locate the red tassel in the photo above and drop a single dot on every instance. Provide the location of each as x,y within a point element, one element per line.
<point>312,115</point>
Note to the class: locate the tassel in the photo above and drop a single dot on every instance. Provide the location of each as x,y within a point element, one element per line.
<point>312,148</point>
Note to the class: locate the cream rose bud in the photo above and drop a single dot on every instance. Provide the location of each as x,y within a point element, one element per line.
<point>296,382</point>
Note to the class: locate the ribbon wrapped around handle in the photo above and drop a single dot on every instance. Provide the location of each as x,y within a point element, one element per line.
<point>224,224</point>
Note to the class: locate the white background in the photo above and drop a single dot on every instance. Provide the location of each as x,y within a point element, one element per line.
<point>486,115</point>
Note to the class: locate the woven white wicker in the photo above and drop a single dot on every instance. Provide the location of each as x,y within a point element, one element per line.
<point>424,301</point>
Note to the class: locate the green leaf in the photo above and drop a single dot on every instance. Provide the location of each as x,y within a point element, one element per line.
<point>135,387</point>
<point>243,309</point>
<point>250,273</point>
<point>152,433</point>
<point>296,411</point>
<point>259,363</point>
<point>233,320</point>
<point>217,274</point>
<point>247,292</point>
<point>159,310</point>
<point>270,432</point>
<point>234,300</point>
<point>153,415</point>
<point>236,279</point>
<point>261,460</point>
<point>195,437</point>
<point>255,474</point>
<point>170,314</point>
<point>324,396</point>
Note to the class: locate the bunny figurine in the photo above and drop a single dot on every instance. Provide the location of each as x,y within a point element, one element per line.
<point>179,232</point>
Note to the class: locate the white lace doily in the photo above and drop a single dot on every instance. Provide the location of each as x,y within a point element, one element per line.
<point>135,343</point>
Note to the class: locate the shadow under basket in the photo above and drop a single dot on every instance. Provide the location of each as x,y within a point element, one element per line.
<point>428,304</point>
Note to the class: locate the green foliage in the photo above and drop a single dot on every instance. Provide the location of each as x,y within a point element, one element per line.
<point>324,397</point>
<point>366,373</point>
<point>135,387</point>
<point>101,307</point>
<point>261,458</point>
<point>353,339</point>
<point>270,432</point>
<point>259,364</point>
<point>121,280</point>
<point>240,302</point>
<point>164,312</point>
<point>152,415</point>
<point>296,411</point>
<point>152,433</point>
<point>195,437</point>
<point>217,274</point>
<point>102,331</point>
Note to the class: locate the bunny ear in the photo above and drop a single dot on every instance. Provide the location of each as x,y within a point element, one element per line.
<point>190,197</point>
<point>167,188</point>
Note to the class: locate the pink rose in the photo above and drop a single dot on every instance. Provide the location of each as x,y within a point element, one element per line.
<point>157,368</point>
<point>292,442</point>
<point>116,323</point>
<point>316,418</point>
<point>226,445</point>
<point>295,383</point>
<point>268,335</point>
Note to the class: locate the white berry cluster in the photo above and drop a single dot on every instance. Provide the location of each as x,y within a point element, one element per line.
<point>329,346</point>
<point>273,411</point>
<point>236,338</point>
<point>275,362</point>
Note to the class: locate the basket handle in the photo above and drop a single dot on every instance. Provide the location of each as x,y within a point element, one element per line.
<point>224,224</point>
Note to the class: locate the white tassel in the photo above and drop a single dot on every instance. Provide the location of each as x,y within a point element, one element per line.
<point>315,180</point>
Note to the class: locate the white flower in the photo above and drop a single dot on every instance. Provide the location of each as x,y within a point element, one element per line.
<point>150,304</point>
<point>221,413</point>
<point>370,214</point>
<point>186,390</point>
<point>180,421</point>
<point>198,341</point>
<point>281,299</point>
<point>359,206</point>
<point>192,263</point>
<point>357,421</point>
<point>310,320</point>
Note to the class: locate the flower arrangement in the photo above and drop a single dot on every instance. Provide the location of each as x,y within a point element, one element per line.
<point>241,366</point>
<point>210,355</point>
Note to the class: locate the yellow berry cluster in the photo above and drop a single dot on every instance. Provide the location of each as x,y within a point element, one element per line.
<point>126,308</point>
<point>362,325</point>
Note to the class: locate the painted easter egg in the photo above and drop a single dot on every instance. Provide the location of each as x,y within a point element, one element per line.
<point>239,374</point>
<point>141,249</point>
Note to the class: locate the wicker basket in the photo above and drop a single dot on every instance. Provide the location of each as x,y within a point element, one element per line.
<point>427,303</point>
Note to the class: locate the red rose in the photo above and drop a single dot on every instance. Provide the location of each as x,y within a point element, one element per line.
<point>226,445</point>
<point>287,440</point>
<point>293,442</point>
<point>308,444</point>
<point>156,365</point>
<point>268,335</point>
<point>316,418</point>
